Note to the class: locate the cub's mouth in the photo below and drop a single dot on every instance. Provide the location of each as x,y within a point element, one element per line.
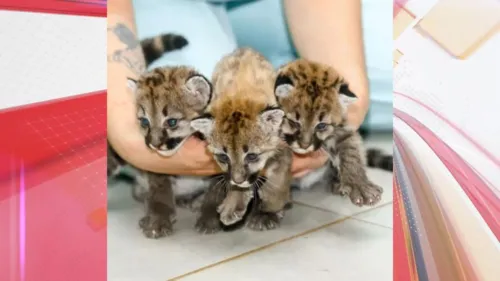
<point>169,147</point>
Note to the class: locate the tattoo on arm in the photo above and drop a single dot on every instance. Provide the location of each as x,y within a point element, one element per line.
<point>130,54</point>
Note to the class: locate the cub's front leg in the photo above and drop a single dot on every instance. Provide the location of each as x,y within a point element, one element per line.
<point>274,194</point>
<point>352,170</point>
<point>160,205</point>
<point>235,205</point>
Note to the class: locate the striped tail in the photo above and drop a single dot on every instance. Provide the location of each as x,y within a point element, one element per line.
<point>376,158</point>
<point>155,47</point>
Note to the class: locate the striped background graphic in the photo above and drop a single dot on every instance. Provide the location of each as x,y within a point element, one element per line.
<point>447,158</point>
<point>52,148</point>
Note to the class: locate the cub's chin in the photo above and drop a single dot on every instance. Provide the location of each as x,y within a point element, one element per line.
<point>303,151</point>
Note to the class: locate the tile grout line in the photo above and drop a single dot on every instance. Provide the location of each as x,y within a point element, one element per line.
<point>352,216</point>
<point>272,244</point>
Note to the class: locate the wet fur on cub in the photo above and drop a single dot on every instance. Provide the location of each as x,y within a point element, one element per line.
<point>315,99</point>
<point>167,99</point>
<point>241,127</point>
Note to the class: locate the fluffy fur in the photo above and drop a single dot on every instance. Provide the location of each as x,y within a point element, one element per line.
<point>315,100</point>
<point>242,130</point>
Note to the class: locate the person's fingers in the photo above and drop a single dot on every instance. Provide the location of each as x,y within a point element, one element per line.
<point>310,161</point>
<point>195,155</point>
<point>301,173</point>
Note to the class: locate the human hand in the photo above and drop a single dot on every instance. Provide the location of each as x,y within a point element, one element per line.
<point>195,157</point>
<point>303,164</point>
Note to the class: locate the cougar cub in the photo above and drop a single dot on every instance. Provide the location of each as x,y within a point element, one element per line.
<point>167,99</point>
<point>315,100</point>
<point>242,129</point>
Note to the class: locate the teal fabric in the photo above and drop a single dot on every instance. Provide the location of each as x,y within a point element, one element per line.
<point>215,27</point>
<point>204,25</point>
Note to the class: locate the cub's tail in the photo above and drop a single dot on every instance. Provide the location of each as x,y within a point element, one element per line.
<point>155,47</point>
<point>376,158</point>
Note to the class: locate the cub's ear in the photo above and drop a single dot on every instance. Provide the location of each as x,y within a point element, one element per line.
<point>283,86</point>
<point>346,97</point>
<point>203,124</point>
<point>200,90</point>
<point>132,84</point>
<point>271,119</point>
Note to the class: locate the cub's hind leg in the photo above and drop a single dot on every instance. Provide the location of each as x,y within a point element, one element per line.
<point>160,206</point>
<point>208,221</point>
<point>332,177</point>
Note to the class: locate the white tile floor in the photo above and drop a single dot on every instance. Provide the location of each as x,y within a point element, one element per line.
<point>323,237</point>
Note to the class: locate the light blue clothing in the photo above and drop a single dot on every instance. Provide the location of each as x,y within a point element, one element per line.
<point>215,28</point>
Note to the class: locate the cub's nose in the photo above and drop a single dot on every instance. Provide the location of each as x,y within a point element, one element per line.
<point>304,145</point>
<point>237,181</point>
<point>155,143</point>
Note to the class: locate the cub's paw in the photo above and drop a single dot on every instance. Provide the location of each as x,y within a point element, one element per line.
<point>229,216</point>
<point>208,224</point>
<point>154,226</point>
<point>367,194</point>
<point>264,221</point>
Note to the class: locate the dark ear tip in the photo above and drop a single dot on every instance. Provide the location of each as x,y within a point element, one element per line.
<point>282,79</point>
<point>270,107</point>
<point>205,115</point>
<point>344,89</point>
<point>198,75</point>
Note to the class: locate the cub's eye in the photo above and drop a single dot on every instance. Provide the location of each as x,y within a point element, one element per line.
<point>144,122</point>
<point>172,123</point>
<point>321,126</point>
<point>251,157</point>
<point>223,158</point>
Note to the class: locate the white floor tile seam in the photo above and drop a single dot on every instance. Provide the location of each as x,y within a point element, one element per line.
<point>372,223</point>
<point>289,238</point>
<point>351,216</point>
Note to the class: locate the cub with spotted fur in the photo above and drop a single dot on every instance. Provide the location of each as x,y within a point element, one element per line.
<point>241,127</point>
<point>153,48</point>
<point>167,99</point>
<point>315,100</point>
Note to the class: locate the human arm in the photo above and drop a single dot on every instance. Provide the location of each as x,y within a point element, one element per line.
<point>330,32</point>
<point>126,60</point>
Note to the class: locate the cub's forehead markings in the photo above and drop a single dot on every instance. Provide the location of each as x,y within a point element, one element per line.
<point>141,108</point>
<point>321,116</point>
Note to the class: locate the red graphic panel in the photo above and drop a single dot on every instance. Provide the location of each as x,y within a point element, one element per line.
<point>71,7</point>
<point>53,190</point>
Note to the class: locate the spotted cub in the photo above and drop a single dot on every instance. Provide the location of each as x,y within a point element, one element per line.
<point>315,98</point>
<point>241,127</point>
<point>167,99</point>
